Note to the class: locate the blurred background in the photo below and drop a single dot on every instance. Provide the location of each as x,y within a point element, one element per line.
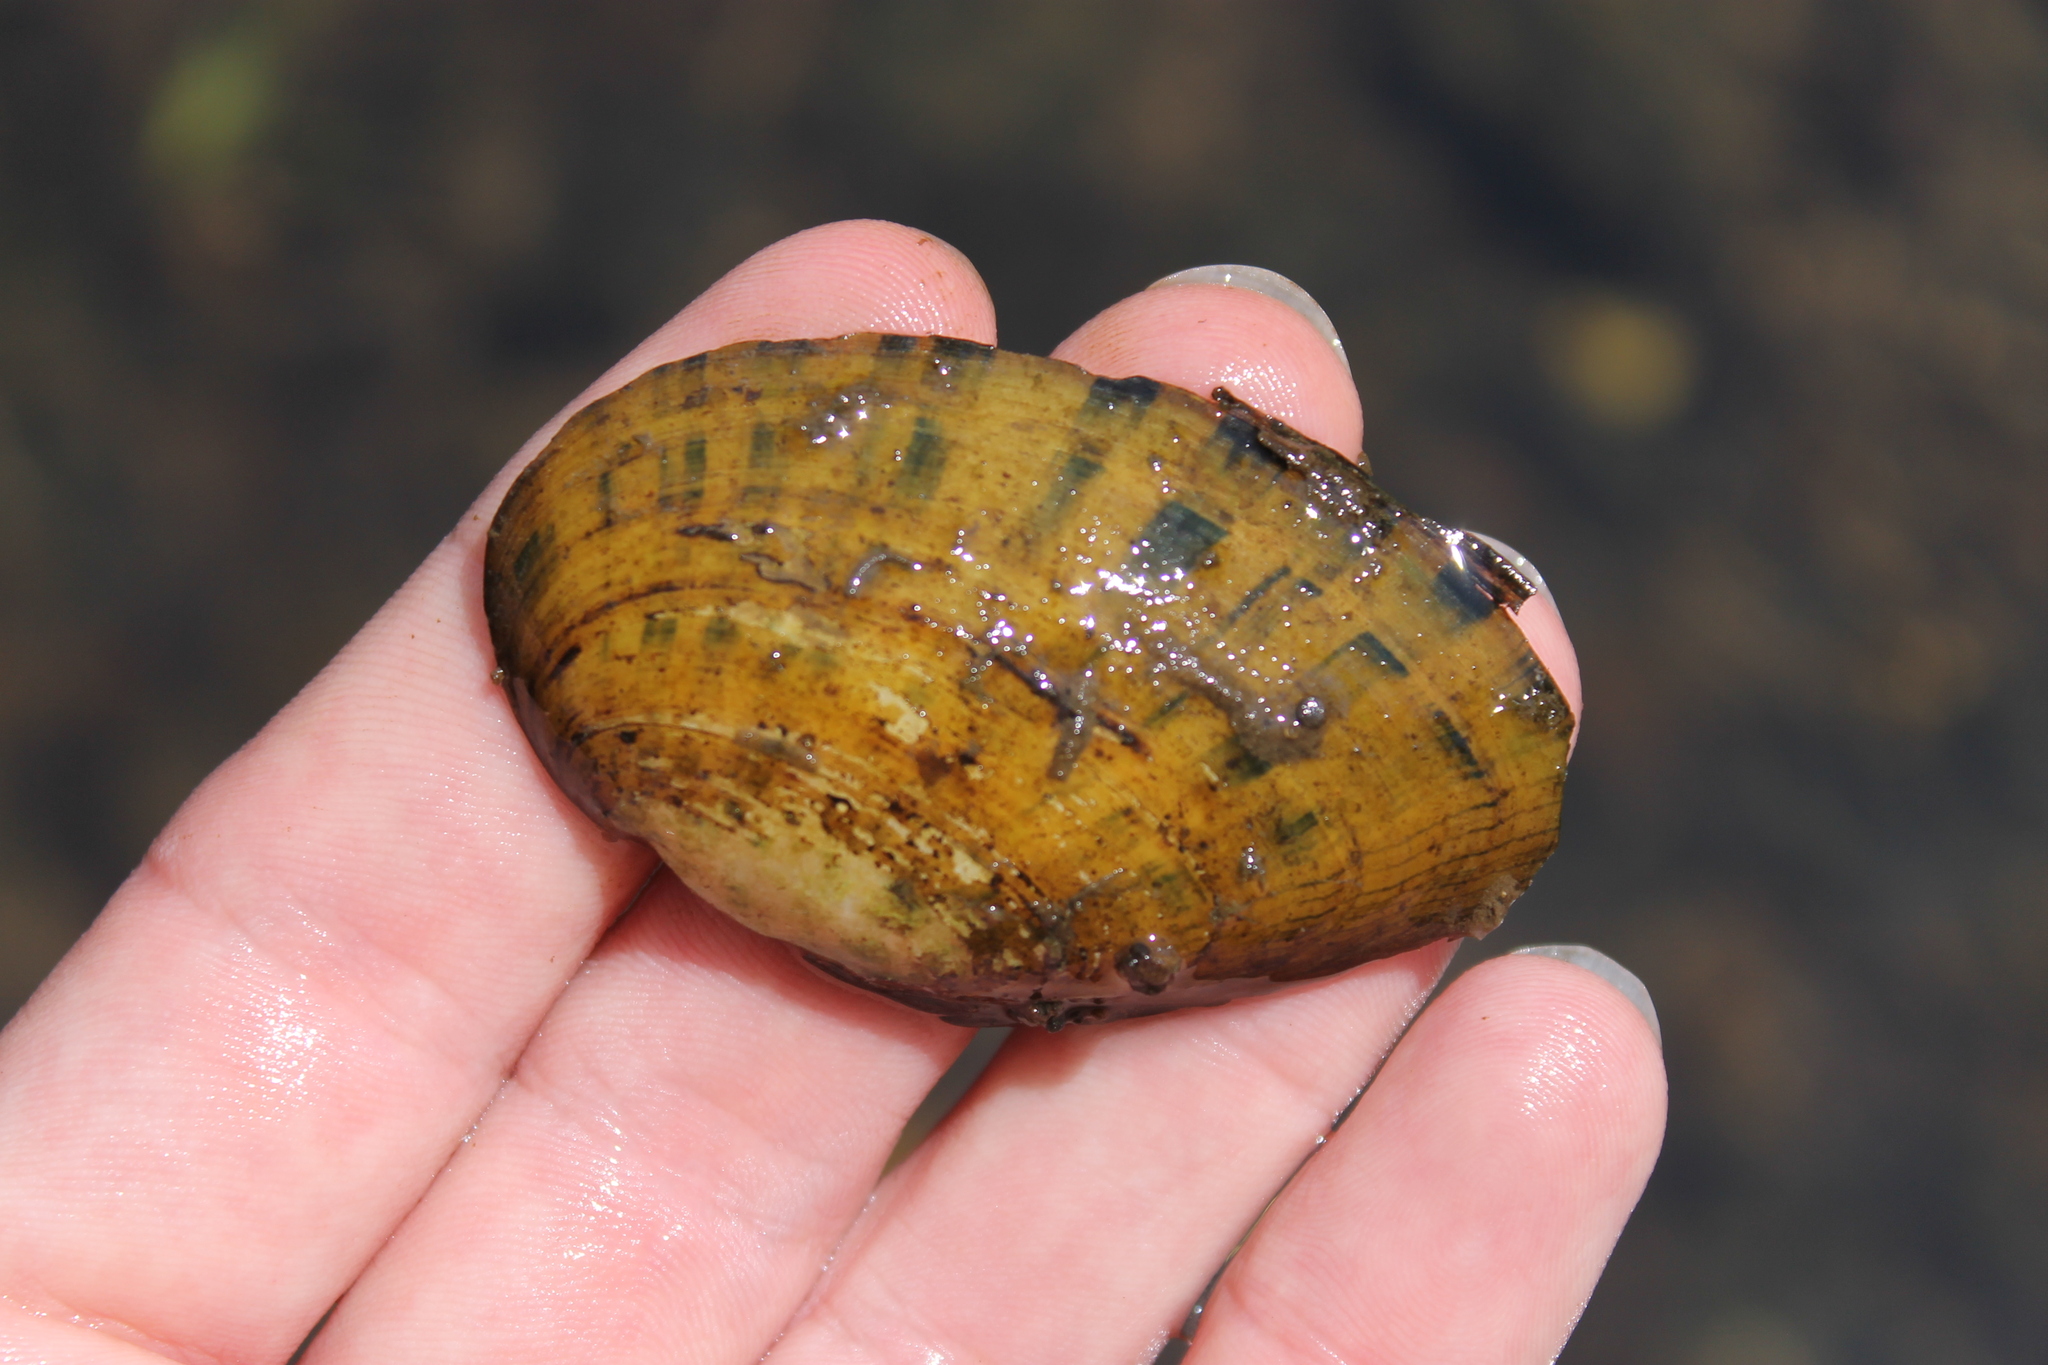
<point>1730,315</point>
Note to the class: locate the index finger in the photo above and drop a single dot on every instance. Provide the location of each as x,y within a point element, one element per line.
<point>248,1070</point>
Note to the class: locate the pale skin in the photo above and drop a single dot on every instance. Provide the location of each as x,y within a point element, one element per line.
<point>380,1019</point>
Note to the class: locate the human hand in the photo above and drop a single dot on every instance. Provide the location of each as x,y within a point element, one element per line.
<point>374,1018</point>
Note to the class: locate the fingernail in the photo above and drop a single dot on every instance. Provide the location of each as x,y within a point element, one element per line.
<point>1272,284</point>
<point>1608,970</point>
<point>1518,559</point>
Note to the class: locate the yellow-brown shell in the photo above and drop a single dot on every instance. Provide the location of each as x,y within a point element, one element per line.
<point>1017,694</point>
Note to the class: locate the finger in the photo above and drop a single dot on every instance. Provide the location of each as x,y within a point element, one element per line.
<point>697,1122</point>
<point>251,1066</point>
<point>1205,336</point>
<point>1466,1208</point>
<point>1077,1202</point>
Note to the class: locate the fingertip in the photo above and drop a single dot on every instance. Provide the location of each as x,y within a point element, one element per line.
<point>858,275</point>
<point>1583,1033</point>
<point>1607,969</point>
<point>1201,336</point>
<point>1260,280</point>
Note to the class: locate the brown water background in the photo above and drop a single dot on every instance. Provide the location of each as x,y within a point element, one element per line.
<point>1730,315</point>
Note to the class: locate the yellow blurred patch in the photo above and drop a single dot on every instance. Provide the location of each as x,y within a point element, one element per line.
<point>1625,364</point>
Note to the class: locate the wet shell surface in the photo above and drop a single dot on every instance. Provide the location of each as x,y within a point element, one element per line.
<point>1018,694</point>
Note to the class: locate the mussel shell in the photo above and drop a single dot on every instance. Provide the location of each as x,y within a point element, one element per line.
<point>1018,694</point>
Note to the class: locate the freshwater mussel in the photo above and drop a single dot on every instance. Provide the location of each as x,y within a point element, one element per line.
<point>1018,694</point>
